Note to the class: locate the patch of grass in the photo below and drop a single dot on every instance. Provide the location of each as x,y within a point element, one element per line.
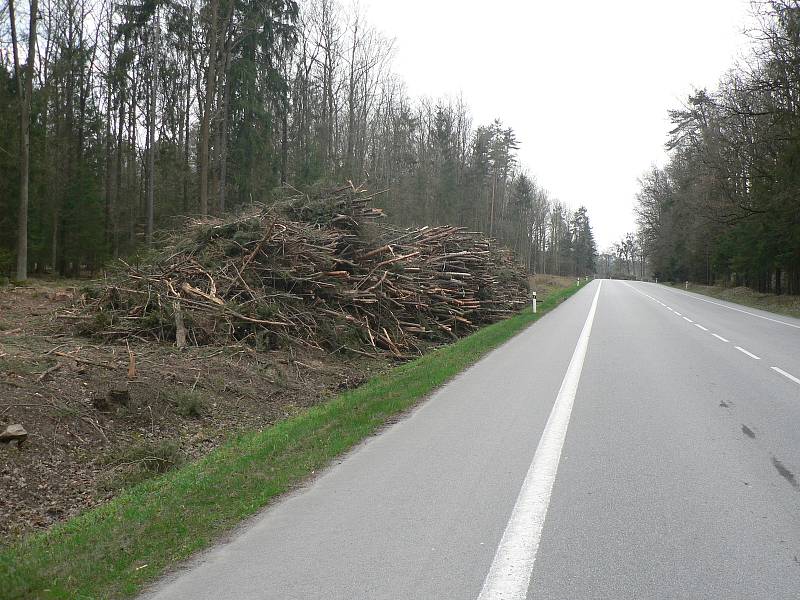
<point>151,457</point>
<point>142,461</point>
<point>111,551</point>
<point>64,411</point>
<point>191,403</point>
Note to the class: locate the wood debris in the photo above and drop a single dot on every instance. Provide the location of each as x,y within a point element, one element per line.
<point>318,271</point>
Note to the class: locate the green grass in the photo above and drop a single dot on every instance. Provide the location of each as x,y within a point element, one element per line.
<point>113,550</point>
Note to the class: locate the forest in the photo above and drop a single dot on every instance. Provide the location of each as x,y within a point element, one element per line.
<point>118,118</point>
<point>725,208</point>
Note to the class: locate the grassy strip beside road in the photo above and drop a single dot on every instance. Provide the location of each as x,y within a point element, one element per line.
<point>782,305</point>
<point>112,551</point>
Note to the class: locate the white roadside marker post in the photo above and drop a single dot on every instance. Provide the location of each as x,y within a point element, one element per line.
<point>686,286</point>
<point>533,302</point>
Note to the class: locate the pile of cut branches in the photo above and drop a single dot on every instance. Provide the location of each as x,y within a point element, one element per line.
<point>316,271</point>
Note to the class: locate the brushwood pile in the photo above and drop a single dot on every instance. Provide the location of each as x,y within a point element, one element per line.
<point>322,271</point>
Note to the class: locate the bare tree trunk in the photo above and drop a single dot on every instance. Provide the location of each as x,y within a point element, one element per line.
<point>223,135</point>
<point>188,107</point>
<point>151,154</point>
<point>120,133</point>
<point>131,176</point>
<point>351,105</point>
<point>491,212</point>
<point>208,104</point>
<point>284,128</point>
<point>109,200</point>
<point>25,96</point>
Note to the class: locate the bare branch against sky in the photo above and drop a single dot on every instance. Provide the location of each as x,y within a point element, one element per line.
<point>585,84</point>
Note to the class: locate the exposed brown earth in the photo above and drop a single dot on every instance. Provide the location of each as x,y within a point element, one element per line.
<point>96,423</point>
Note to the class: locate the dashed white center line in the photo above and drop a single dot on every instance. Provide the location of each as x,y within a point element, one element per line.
<point>778,370</point>
<point>785,374</point>
<point>750,354</point>
<point>788,376</point>
<point>695,297</point>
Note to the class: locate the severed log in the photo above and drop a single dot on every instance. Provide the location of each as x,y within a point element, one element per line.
<point>180,327</point>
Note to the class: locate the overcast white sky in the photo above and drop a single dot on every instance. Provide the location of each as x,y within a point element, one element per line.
<point>586,84</point>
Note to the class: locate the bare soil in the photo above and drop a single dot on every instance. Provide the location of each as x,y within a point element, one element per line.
<point>83,448</point>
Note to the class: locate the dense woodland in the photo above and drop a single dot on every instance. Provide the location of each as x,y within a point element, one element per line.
<point>134,113</point>
<point>726,207</point>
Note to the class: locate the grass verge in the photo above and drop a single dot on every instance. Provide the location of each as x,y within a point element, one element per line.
<point>113,550</point>
<point>782,305</point>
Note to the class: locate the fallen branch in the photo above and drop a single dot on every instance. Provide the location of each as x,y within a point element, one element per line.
<point>47,372</point>
<point>85,361</point>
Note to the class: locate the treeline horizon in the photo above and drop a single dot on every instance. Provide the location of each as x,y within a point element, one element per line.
<point>725,208</point>
<point>143,111</point>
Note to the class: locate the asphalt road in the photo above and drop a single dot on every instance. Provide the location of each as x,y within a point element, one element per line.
<point>638,442</point>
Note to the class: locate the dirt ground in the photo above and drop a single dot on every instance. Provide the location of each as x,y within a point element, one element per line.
<point>166,405</point>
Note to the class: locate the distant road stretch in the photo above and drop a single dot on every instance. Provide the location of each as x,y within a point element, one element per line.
<point>638,442</point>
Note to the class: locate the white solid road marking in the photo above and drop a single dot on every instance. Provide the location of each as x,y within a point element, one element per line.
<point>785,374</point>
<point>719,337</point>
<point>688,319</point>
<point>700,326</point>
<point>750,354</point>
<point>677,313</point>
<point>510,573</point>
<point>747,312</point>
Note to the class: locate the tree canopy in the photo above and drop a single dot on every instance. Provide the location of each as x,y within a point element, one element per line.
<point>145,110</point>
<point>726,207</point>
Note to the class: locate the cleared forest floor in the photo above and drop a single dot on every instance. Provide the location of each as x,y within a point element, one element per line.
<point>82,449</point>
<point>784,304</point>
